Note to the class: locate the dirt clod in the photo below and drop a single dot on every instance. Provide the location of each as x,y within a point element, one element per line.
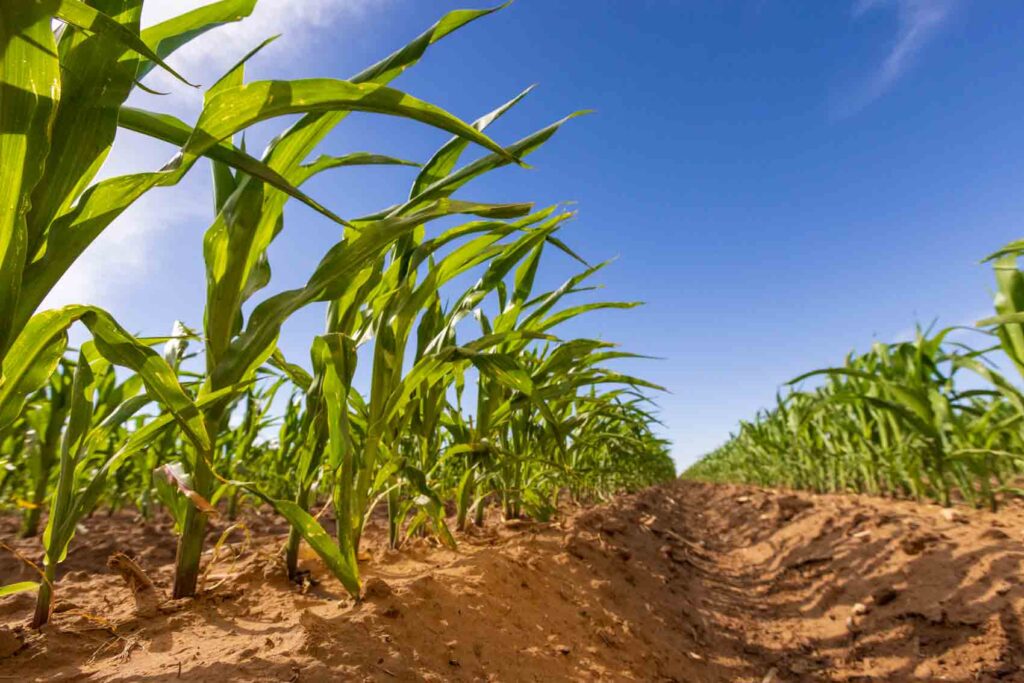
<point>885,595</point>
<point>376,588</point>
<point>10,643</point>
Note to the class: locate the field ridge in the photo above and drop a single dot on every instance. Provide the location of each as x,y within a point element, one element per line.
<point>682,582</point>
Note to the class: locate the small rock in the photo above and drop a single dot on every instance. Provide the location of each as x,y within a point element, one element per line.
<point>376,588</point>
<point>563,649</point>
<point>801,667</point>
<point>613,526</point>
<point>1005,669</point>
<point>576,546</point>
<point>10,643</point>
<point>953,516</point>
<point>883,596</point>
<point>916,543</point>
<point>790,506</point>
<point>859,519</point>
<point>995,535</point>
<point>859,609</point>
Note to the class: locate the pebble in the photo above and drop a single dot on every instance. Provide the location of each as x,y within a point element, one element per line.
<point>951,515</point>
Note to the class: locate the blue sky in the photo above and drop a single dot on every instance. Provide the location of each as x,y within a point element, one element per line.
<point>782,182</point>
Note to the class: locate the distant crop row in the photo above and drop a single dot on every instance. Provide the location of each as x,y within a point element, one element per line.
<point>473,398</point>
<point>931,419</point>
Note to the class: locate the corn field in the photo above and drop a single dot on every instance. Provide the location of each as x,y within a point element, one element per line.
<point>930,419</point>
<point>475,402</point>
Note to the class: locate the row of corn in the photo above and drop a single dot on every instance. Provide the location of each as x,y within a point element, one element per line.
<point>935,418</point>
<point>473,401</point>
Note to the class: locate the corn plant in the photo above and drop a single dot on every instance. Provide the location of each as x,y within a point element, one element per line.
<point>64,99</point>
<point>45,415</point>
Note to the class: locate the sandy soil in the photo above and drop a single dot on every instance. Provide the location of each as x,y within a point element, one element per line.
<point>687,582</point>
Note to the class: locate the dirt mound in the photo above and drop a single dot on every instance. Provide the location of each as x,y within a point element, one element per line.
<point>687,582</point>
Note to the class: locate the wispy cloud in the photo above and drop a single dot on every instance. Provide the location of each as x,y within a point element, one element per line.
<point>304,26</point>
<point>118,264</point>
<point>918,22</point>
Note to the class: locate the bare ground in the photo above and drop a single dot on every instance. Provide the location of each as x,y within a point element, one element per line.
<point>686,582</point>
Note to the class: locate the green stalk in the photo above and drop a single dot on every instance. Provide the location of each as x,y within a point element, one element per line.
<point>30,518</point>
<point>363,486</point>
<point>190,544</point>
<point>481,507</point>
<point>291,553</point>
<point>44,597</point>
<point>46,454</point>
<point>394,508</point>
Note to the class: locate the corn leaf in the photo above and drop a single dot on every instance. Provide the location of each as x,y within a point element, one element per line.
<point>167,36</point>
<point>83,16</point>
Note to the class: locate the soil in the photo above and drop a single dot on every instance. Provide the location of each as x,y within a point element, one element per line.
<point>685,582</point>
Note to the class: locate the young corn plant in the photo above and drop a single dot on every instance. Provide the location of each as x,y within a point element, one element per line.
<point>382,301</point>
<point>45,415</point>
<point>249,218</point>
<point>65,90</point>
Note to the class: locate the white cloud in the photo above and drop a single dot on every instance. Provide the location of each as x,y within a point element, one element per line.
<point>302,25</point>
<point>918,22</point>
<point>116,265</point>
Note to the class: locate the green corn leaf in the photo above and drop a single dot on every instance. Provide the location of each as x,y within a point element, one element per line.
<point>444,160</point>
<point>336,272</point>
<point>140,439</point>
<point>20,587</point>
<point>170,129</point>
<point>83,16</point>
<point>94,84</point>
<point>235,109</point>
<point>31,82</point>
<point>34,355</point>
<point>343,568</point>
<point>167,36</point>
<point>447,186</point>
